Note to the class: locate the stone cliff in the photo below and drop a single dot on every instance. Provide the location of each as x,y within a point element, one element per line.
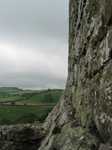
<point>83,118</point>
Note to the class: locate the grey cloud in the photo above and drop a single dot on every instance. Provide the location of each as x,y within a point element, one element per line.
<point>33,43</point>
<point>47,17</point>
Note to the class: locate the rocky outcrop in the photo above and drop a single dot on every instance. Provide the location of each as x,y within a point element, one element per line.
<point>83,118</point>
<point>21,137</point>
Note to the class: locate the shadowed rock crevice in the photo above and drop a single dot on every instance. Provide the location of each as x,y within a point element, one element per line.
<point>21,137</point>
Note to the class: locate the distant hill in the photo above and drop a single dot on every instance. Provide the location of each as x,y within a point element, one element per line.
<point>29,96</point>
<point>45,96</point>
<point>10,90</point>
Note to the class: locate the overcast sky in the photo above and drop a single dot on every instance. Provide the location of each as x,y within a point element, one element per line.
<point>33,43</point>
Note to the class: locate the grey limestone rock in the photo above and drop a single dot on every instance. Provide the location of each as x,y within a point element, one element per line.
<point>83,118</point>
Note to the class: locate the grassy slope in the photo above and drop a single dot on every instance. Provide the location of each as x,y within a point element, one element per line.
<point>10,93</point>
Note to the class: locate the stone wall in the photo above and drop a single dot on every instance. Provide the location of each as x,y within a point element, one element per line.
<point>83,118</point>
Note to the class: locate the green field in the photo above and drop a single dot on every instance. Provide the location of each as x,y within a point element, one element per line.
<point>22,114</point>
<point>26,106</point>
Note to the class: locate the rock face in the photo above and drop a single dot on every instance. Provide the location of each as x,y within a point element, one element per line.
<point>21,137</point>
<point>83,118</point>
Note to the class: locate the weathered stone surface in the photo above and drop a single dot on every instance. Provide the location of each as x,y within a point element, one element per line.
<point>87,101</point>
<point>21,137</point>
<point>105,147</point>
